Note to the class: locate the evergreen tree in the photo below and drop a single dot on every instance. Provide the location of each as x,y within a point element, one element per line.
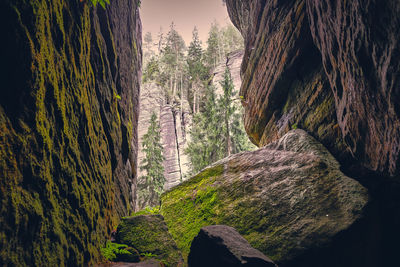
<point>235,138</point>
<point>205,146</point>
<point>148,51</point>
<point>151,185</point>
<point>226,102</point>
<point>214,52</point>
<point>172,59</point>
<point>232,40</point>
<point>197,72</point>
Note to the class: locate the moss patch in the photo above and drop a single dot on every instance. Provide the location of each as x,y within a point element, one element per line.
<point>149,235</point>
<point>60,145</point>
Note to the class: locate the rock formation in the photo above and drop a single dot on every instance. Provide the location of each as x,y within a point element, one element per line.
<point>174,132</point>
<point>233,61</point>
<point>288,199</point>
<point>223,246</point>
<point>68,120</point>
<point>329,67</point>
<point>149,235</point>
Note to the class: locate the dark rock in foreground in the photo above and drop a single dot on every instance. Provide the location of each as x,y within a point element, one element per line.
<point>149,235</point>
<point>221,245</point>
<point>286,199</point>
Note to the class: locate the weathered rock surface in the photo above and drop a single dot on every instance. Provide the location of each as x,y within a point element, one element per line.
<point>329,67</point>
<point>286,199</point>
<point>221,245</point>
<point>149,235</point>
<point>233,61</point>
<point>174,132</point>
<point>68,120</point>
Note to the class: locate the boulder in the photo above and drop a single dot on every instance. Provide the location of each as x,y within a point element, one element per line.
<point>149,235</point>
<point>222,245</point>
<point>286,199</point>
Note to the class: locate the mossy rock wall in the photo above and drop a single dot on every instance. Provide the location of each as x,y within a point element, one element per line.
<point>68,119</point>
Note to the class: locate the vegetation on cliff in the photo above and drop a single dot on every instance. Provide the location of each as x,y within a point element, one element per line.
<point>66,157</point>
<point>151,185</point>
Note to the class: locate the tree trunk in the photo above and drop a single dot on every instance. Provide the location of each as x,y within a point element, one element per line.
<point>228,136</point>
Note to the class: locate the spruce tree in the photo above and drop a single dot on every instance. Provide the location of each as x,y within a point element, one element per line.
<point>205,146</point>
<point>228,109</point>
<point>235,137</point>
<point>151,185</point>
<point>197,72</point>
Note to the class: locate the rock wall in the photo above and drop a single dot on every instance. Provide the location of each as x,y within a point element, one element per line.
<point>174,132</point>
<point>68,120</point>
<point>233,61</point>
<point>329,67</point>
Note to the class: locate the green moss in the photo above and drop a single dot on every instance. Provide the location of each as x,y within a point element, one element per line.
<point>205,200</point>
<point>147,211</point>
<point>150,236</point>
<point>58,195</point>
<point>190,206</point>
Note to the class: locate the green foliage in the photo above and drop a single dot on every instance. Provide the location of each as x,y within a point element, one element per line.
<point>114,251</point>
<point>151,185</point>
<point>205,146</point>
<point>217,130</point>
<point>151,70</point>
<point>148,255</point>
<point>147,211</point>
<point>101,2</point>
<point>117,96</point>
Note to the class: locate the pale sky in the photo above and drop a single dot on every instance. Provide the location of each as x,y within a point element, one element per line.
<point>185,14</point>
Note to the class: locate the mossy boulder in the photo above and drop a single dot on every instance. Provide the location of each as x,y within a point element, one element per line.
<point>149,235</point>
<point>286,199</point>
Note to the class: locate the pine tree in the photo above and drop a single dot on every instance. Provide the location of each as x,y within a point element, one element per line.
<point>205,146</point>
<point>197,72</point>
<point>151,185</point>
<point>226,102</point>
<point>235,138</point>
<point>214,52</point>
<point>172,59</point>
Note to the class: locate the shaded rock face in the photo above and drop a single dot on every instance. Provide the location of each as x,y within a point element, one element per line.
<point>329,67</point>
<point>288,199</point>
<point>221,245</point>
<point>149,235</point>
<point>68,120</point>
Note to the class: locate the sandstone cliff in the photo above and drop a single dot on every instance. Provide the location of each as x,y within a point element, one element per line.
<point>330,67</point>
<point>175,127</point>
<point>68,121</point>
